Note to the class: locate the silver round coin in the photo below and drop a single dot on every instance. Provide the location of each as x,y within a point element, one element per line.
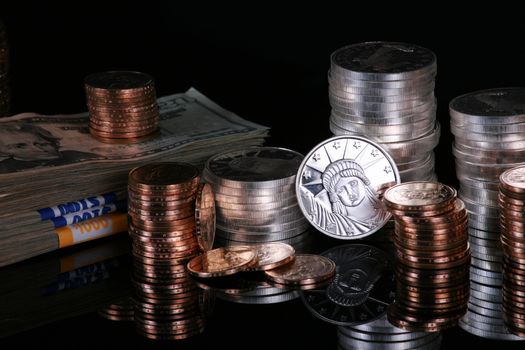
<point>338,186</point>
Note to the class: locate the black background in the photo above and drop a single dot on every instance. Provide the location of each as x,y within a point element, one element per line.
<point>268,64</point>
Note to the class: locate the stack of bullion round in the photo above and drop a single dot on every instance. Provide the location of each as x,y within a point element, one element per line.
<point>512,205</point>
<point>161,207</point>
<point>380,334</point>
<point>487,126</point>
<point>4,69</point>
<point>433,258</point>
<point>255,194</point>
<point>122,106</point>
<point>121,310</point>
<point>385,91</point>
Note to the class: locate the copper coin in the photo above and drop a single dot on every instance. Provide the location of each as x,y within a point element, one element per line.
<point>205,216</point>
<point>128,140</point>
<point>163,176</point>
<point>273,255</point>
<point>304,269</point>
<point>420,196</point>
<point>222,261</point>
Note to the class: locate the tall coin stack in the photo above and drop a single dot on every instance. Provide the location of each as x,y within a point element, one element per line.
<point>161,207</point>
<point>4,70</point>
<point>512,206</point>
<point>488,130</point>
<point>122,106</point>
<point>385,91</point>
<point>255,194</point>
<point>433,258</point>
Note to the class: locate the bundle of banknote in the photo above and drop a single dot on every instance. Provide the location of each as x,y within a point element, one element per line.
<point>48,162</point>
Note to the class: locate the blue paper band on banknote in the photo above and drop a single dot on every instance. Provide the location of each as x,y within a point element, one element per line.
<point>83,215</point>
<point>76,206</point>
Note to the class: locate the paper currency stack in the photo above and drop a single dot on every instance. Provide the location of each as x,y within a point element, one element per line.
<point>255,195</point>
<point>51,160</point>
<point>385,91</point>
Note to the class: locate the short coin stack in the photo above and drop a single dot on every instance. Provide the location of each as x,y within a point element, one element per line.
<point>488,133</point>
<point>385,91</point>
<point>255,194</point>
<point>4,70</point>
<point>122,106</point>
<point>512,206</point>
<point>432,254</point>
<point>380,334</point>
<point>162,227</point>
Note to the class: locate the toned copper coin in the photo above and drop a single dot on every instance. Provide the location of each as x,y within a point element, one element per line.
<point>205,216</point>
<point>163,176</point>
<point>513,180</point>
<point>272,255</point>
<point>127,140</point>
<point>222,261</point>
<point>419,196</point>
<point>305,269</point>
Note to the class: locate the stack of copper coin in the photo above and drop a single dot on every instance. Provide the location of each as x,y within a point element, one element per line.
<point>255,194</point>
<point>162,227</point>
<point>122,106</point>
<point>120,310</point>
<point>512,206</point>
<point>4,69</point>
<point>433,257</point>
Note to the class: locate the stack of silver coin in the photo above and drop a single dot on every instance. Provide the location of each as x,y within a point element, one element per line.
<point>380,334</point>
<point>255,194</point>
<point>488,127</point>
<point>385,91</point>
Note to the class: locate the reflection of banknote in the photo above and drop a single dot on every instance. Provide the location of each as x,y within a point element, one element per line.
<point>35,142</point>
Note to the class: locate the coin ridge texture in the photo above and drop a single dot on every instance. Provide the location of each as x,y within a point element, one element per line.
<point>337,186</point>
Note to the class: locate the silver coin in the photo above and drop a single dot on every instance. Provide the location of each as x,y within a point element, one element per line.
<point>352,97</point>
<point>486,265</point>
<point>257,167</point>
<point>486,257</point>
<point>280,191</point>
<point>501,102</point>
<point>337,186</point>
<point>469,326</point>
<point>244,229</point>
<point>380,337</point>
<point>382,60</point>
<point>485,280</point>
<point>492,243</point>
<point>485,289</point>
<point>483,234</point>
<point>480,137</point>
<point>335,78</point>
<point>362,117</point>
<point>260,208</point>
<point>485,296</point>
<point>277,198</point>
<point>476,208</point>
<point>479,158</point>
<point>416,163</point>
<point>485,311</point>
<point>414,129</point>
<point>261,214</point>
<point>390,113</point>
<point>259,300</point>
<point>490,129</point>
<point>261,237</point>
<point>275,220</point>
<point>488,153</point>
<point>383,121</point>
<point>369,90</point>
<point>494,306</point>
<point>401,345</point>
<point>410,105</point>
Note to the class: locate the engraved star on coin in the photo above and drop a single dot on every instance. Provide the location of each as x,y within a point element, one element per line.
<point>336,145</point>
<point>316,157</point>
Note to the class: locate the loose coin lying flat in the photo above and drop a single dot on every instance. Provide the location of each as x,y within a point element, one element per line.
<point>223,261</point>
<point>305,269</point>
<point>338,186</point>
<point>273,255</point>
